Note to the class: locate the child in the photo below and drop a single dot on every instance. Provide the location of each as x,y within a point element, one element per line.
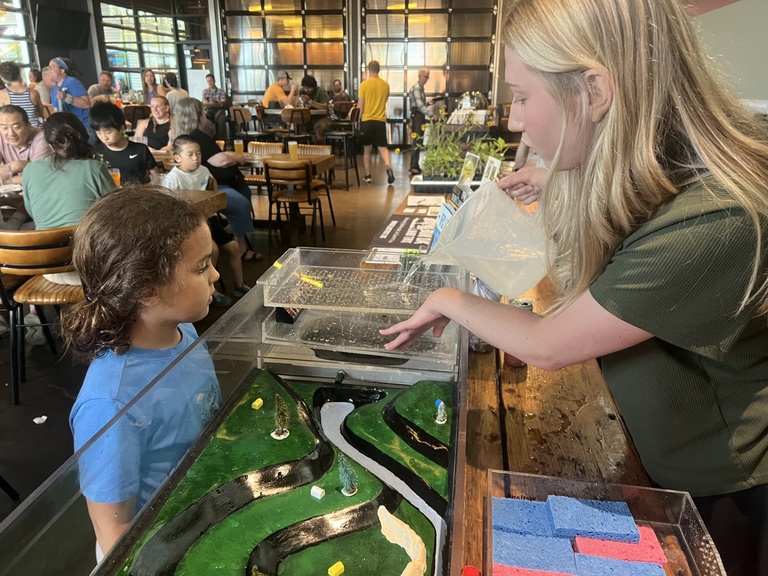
<point>656,201</point>
<point>133,159</point>
<point>191,175</point>
<point>146,278</point>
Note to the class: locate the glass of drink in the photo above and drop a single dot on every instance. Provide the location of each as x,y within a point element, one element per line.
<point>239,147</point>
<point>115,173</point>
<point>293,150</point>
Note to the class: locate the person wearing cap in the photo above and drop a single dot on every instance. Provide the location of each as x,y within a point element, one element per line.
<point>277,92</point>
<point>68,93</point>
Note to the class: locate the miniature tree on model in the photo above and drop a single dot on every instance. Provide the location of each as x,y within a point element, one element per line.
<point>347,476</point>
<point>441,417</point>
<point>282,418</point>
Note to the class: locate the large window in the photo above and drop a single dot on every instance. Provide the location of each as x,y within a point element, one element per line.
<point>162,35</point>
<point>455,39</point>
<point>303,37</point>
<point>16,44</point>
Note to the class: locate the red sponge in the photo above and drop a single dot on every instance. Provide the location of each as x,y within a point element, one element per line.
<point>646,550</point>
<point>504,570</point>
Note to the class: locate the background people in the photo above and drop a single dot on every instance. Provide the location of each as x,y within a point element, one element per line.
<point>276,95</point>
<point>656,202</point>
<point>68,93</point>
<point>419,114</point>
<point>187,120</point>
<point>19,95</point>
<point>149,86</point>
<point>20,143</point>
<point>215,105</point>
<point>173,92</point>
<point>339,94</point>
<point>35,76</point>
<point>372,102</point>
<point>315,97</point>
<point>44,87</point>
<point>156,128</point>
<point>104,90</point>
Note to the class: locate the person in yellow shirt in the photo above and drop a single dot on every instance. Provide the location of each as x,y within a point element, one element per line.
<point>372,102</point>
<point>276,97</point>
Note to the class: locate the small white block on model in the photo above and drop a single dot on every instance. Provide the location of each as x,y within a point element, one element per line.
<point>317,492</point>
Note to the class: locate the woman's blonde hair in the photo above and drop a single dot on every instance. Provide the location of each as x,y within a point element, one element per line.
<point>671,123</point>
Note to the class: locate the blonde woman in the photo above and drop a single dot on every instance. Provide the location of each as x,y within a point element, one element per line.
<point>656,200</point>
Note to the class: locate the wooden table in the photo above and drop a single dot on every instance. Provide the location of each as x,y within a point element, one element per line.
<point>321,162</point>
<point>208,201</point>
<point>279,111</point>
<point>561,423</point>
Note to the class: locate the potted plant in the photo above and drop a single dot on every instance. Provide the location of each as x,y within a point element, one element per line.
<point>444,147</point>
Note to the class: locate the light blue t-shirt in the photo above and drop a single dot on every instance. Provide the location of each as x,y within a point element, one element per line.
<point>138,452</point>
<point>74,87</point>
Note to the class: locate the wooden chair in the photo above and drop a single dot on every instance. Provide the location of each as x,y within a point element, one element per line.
<point>297,119</point>
<point>340,117</point>
<point>245,127</point>
<point>320,150</point>
<point>256,178</point>
<point>135,113</point>
<point>290,183</point>
<point>347,138</point>
<point>34,253</point>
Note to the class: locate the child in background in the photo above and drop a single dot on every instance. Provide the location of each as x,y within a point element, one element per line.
<point>191,175</point>
<point>146,278</point>
<point>133,159</point>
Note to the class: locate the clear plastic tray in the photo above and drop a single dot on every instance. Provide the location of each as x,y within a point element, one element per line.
<point>339,280</point>
<point>356,332</point>
<point>673,516</point>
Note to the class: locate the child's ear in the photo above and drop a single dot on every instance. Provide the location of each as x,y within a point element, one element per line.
<point>600,90</point>
<point>149,300</point>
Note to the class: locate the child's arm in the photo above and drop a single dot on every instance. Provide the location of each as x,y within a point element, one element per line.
<point>110,521</point>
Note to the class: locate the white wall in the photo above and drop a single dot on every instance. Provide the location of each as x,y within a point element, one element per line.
<point>736,36</point>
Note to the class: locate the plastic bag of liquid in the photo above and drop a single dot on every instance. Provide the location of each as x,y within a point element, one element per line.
<point>496,240</point>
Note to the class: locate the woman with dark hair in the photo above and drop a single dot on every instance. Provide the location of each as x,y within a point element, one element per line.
<point>187,119</point>
<point>68,93</point>
<point>150,87</point>
<point>59,190</point>
<point>35,77</point>
<point>19,95</point>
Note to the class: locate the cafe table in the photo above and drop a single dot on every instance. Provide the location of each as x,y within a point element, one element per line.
<point>207,201</point>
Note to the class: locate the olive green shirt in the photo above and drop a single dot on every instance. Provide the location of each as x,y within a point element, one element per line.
<point>694,397</point>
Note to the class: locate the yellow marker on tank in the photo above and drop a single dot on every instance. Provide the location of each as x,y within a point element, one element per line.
<point>258,403</point>
<point>336,569</point>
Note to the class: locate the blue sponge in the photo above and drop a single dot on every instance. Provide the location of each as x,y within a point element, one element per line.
<point>573,517</point>
<point>521,517</point>
<point>597,566</point>
<point>533,552</point>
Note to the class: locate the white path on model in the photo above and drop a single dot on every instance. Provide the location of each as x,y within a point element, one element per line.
<point>332,416</point>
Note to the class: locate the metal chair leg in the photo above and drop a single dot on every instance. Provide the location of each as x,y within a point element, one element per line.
<point>15,377</point>
<point>8,489</point>
<point>46,330</point>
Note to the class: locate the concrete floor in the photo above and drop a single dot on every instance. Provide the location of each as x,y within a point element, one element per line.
<point>30,453</point>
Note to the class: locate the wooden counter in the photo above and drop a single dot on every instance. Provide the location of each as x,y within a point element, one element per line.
<point>561,423</point>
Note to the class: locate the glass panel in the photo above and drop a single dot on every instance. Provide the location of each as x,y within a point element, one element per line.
<point>287,54</point>
<point>13,24</point>
<point>395,108</point>
<point>472,26</point>
<point>243,5</point>
<point>118,35</point>
<point>160,61</point>
<point>428,26</point>
<point>412,5</point>
<point>470,53</point>
<point>284,26</point>
<point>395,79</point>
<point>192,7</point>
<point>12,3</point>
<point>198,56</point>
<point>130,80</point>
<point>387,53</point>
<point>283,5</point>
<point>326,26</point>
<point>248,54</point>
<point>462,80</point>
<point>123,58</point>
<point>244,27</point>
<point>325,5</point>
<point>385,25</point>
<point>158,25</point>
<point>248,80</point>
<point>472,3</point>
<point>14,51</point>
<point>110,10</point>
<point>325,54</point>
<point>434,85</point>
<point>195,29</point>
<point>427,54</point>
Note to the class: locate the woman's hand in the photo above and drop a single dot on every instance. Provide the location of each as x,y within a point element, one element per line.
<point>423,319</point>
<point>524,185</point>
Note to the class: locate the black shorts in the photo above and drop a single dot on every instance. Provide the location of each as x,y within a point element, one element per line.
<point>373,132</point>
<point>218,232</point>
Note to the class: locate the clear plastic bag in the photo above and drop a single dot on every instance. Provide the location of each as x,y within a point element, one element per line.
<point>496,240</point>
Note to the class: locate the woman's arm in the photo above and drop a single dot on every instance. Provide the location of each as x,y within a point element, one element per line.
<point>226,159</point>
<point>34,97</point>
<point>578,332</point>
<point>110,521</point>
<point>141,126</point>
